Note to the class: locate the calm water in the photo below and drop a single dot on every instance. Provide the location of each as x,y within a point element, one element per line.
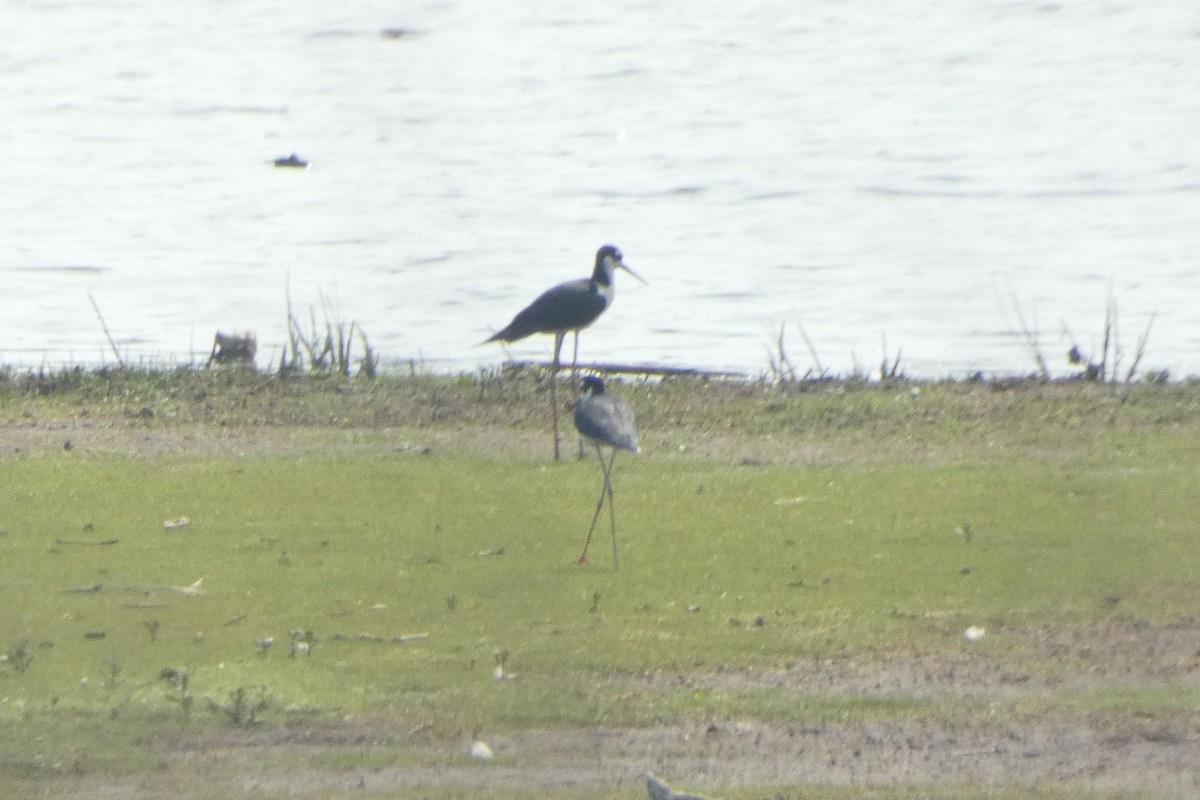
<point>908,172</point>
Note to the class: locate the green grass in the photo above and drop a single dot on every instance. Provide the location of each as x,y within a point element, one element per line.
<point>915,518</point>
<point>831,558</point>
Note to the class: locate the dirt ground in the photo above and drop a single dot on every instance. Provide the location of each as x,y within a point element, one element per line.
<point>1155,752</point>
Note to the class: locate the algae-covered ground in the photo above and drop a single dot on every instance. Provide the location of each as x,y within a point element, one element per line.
<point>228,584</point>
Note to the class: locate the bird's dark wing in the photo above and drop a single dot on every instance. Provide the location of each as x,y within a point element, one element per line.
<point>566,307</point>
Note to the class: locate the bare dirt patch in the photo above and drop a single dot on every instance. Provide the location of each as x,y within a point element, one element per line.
<point>1154,751</point>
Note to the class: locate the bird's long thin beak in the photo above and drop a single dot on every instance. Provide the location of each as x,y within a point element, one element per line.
<point>623,266</point>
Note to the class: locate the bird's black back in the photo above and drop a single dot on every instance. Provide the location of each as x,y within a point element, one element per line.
<point>566,307</point>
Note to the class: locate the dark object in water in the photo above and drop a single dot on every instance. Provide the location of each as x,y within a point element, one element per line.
<point>291,161</point>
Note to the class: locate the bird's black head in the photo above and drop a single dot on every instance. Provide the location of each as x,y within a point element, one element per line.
<point>608,251</point>
<point>608,260</point>
<point>592,385</point>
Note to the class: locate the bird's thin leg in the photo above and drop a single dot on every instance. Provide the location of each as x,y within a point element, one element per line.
<point>612,505</point>
<point>558,340</point>
<point>575,358</point>
<point>599,505</point>
<point>574,378</point>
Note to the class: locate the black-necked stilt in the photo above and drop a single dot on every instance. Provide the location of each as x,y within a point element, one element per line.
<point>567,308</point>
<point>604,420</point>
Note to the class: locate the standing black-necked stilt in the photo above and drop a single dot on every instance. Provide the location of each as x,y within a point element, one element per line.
<point>604,420</point>
<point>567,308</point>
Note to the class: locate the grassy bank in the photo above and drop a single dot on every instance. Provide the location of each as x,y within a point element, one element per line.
<point>802,558</point>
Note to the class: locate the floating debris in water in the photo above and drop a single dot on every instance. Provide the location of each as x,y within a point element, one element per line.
<point>293,161</point>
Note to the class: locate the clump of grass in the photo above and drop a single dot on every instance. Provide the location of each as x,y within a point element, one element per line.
<point>44,381</point>
<point>245,705</point>
<point>303,642</point>
<point>1098,367</point>
<point>178,680</point>
<point>328,346</point>
<point>779,366</point>
<point>889,372</point>
<point>782,370</point>
<point>1105,365</point>
<point>19,656</point>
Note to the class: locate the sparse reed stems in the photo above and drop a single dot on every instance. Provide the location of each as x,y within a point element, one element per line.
<point>111,342</point>
<point>1106,367</point>
<point>1030,335</point>
<point>781,368</point>
<point>1099,367</point>
<point>889,371</point>
<point>327,345</point>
